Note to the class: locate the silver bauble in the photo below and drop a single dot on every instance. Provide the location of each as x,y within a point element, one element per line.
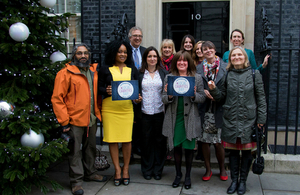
<point>48,3</point>
<point>57,56</point>
<point>19,31</point>
<point>32,139</point>
<point>6,109</point>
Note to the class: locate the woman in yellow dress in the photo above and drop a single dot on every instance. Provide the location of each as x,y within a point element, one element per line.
<point>117,116</point>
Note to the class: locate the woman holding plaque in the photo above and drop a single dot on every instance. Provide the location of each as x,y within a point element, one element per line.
<point>181,124</point>
<point>117,116</point>
<point>151,80</point>
<point>167,51</point>
<point>211,69</point>
<point>244,107</point>
<point>187,44</point>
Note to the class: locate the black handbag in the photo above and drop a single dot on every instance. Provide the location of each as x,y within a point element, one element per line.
<point>259,163</point>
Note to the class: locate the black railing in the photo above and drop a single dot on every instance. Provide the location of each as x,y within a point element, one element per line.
<point>282,84</point>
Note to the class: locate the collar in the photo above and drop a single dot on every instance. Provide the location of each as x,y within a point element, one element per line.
<point>133,48</point>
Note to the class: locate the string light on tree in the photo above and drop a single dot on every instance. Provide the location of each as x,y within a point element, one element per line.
<point>19,31</point>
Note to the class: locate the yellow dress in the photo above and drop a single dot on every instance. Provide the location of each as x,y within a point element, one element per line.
<point>117,116</point>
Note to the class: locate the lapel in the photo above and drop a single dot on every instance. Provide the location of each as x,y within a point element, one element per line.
<point>221,72</point>
<point>201,72</point>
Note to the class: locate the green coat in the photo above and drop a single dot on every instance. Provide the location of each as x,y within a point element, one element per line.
<point>241,108</point>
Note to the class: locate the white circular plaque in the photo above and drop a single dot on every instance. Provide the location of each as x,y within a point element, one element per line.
<point>181,85</point>
<point>125,90</point>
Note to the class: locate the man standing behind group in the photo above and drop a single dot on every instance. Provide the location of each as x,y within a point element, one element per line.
<point>76,105</point>
<point>135,36</point>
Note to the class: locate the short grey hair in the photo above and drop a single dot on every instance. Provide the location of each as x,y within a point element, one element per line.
<point>79,45</point>
<point>133,29</point>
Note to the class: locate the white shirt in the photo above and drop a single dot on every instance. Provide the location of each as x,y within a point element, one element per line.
<point>151,93</point>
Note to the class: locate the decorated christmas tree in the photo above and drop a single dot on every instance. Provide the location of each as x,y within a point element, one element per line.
<point>31,53</point>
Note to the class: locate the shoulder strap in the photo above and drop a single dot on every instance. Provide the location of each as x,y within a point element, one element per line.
<point>225,84</point>
<point>256,128</point>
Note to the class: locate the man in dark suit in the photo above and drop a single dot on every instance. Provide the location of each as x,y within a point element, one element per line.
<point>135,36</point>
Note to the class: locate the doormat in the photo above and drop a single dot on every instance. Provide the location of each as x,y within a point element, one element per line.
<point>280,149</point>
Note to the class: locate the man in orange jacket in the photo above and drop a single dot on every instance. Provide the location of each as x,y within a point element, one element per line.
<point>77,105</point>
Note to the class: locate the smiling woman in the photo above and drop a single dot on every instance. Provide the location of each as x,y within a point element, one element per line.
<point>181,124</point>
<point>153,143</point>
<point>211,69</point>
<point>118,115</point>
<point>240,116</point>
<point>237,39</point>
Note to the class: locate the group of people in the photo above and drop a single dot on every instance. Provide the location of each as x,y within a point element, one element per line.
<point>227,101</point>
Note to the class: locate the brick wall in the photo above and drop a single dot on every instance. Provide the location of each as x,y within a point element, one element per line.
<point>111,12</point>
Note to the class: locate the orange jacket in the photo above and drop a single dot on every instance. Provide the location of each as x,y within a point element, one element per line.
<point>71,97</point>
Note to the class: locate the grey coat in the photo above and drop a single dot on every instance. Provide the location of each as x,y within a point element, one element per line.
<point>241,107</point>
<point>191,120</point>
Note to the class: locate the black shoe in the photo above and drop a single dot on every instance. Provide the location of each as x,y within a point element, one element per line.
<point>187,183</point>
<point>157,177</point>
<point>126,181</point>
<point>232,188</point>
<point>241,188</point>
<point>147,177</point>
<point>177,181</point>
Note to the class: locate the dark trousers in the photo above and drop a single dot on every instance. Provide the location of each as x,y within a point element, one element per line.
<point>81,163</point>
<point>153,144</point>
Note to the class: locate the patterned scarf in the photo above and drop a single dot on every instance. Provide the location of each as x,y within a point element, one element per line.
<point>167,62</point>
<point>211,70</point>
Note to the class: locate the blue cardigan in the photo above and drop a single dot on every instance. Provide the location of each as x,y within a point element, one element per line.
<point>251,59</point>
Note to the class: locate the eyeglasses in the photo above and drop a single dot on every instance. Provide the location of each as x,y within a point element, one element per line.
<point>80,53</point>
<point>137,36</point>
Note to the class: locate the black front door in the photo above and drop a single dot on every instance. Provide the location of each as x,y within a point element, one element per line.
<point>205,20</point>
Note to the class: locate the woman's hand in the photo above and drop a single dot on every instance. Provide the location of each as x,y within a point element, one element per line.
<point>166,90</point>
<point>195,91</point>
<point>138,100</point>
<point>265,63</point>
<point>208,94</point>
<point>108,90</point>
<point>211,85</point>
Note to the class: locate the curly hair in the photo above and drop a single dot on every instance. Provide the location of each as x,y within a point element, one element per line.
<point>112,50</point>
<point>191,69</point>
<point>144,59</point>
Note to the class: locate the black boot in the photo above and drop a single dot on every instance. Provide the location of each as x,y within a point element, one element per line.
<point>234,163</point>
<point>245,167</point>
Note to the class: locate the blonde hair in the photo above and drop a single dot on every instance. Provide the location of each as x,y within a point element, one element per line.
<point>246,63</point>
<point>167,42</point>
<point>194,55</point>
